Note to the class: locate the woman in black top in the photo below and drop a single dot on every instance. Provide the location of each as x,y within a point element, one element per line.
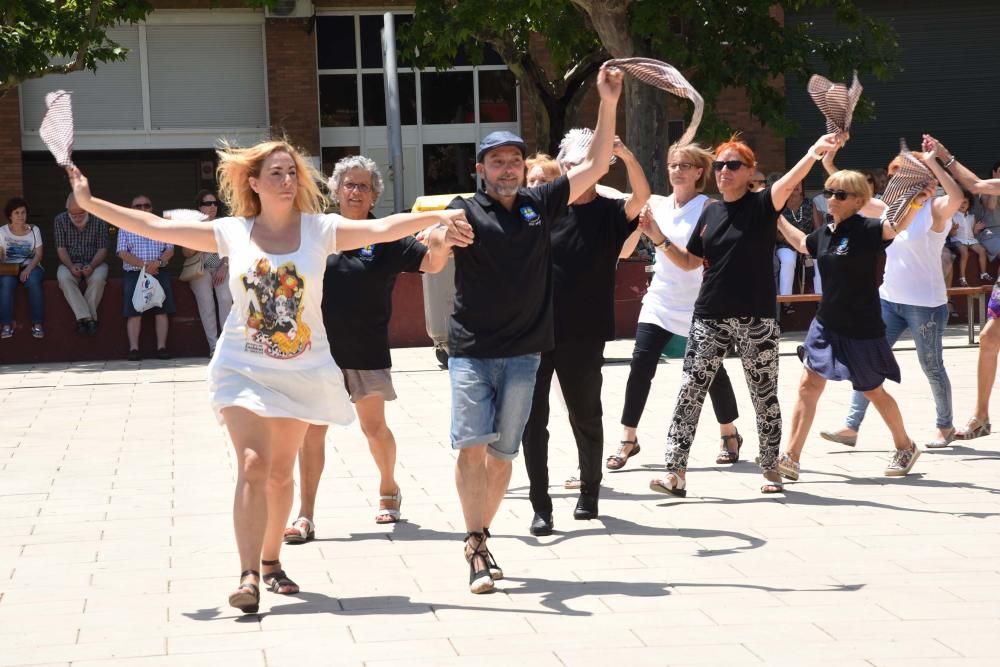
<point>734,242</point>
<point>846,340</point>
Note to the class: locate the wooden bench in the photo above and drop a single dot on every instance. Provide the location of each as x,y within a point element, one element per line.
<point>975,303</point>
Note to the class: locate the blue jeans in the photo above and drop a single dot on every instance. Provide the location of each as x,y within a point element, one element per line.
<point>36,297</point>
<point>491,401</point>
<point>927,325</point>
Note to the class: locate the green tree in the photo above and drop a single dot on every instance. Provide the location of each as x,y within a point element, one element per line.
<point>39,37</point>
<point>718,44</point>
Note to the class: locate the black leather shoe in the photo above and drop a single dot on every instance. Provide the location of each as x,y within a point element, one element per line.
<point>586,508</point>
<point>541,525</point>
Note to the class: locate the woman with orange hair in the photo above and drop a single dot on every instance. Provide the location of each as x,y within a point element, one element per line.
<point>271,374</point>
<point>734,242</point>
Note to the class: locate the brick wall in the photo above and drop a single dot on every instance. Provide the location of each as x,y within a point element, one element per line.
<point>292,87</point>
<point>11,177</point>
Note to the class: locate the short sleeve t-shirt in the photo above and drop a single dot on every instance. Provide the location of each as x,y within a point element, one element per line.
<point>736,243</point>
<point>586,242</point>
<point>19,249</point>
<point>276,321</point>
<point>357,300</point>
<point>848,261</point>
<point>503,281</point>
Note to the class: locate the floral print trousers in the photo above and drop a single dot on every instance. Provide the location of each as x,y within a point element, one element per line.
<point>756,341</point>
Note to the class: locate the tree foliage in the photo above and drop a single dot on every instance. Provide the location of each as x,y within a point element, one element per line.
<point>39,37</point>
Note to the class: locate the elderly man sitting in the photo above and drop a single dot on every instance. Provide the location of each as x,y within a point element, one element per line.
<point>82,245</point>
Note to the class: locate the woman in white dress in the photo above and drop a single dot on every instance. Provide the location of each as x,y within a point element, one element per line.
<point>668,306</point>
<point>272,373</point>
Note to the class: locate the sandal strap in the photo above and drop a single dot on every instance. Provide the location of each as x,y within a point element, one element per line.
<point>310,526</point>
<point>735,436</point>
<point>247,573</point>
<point>269,563</point>
<point>629,442</point>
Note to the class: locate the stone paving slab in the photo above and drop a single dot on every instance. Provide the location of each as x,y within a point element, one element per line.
<point>116,543</point>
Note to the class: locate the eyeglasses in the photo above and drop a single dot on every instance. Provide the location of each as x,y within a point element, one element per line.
<point>839,195</point>
<point>359,187</point>
<point>209,202</point>
<point>143,206</point>
<point>733,165</point>
<point>680,166</point>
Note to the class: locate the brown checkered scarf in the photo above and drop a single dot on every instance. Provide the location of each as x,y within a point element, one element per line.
<point>57,127</point>
<point>665,77</point>
<point>836,101</point>
<point>904,186</point>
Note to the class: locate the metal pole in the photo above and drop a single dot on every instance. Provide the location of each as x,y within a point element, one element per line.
<point>393,125</point>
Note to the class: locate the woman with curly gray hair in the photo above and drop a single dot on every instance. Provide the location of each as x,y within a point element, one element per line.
<point>357,305</point>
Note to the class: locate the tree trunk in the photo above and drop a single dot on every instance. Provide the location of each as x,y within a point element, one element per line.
<point>646,122</point>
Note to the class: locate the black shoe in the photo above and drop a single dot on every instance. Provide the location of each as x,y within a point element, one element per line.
<point>541,524</point>
<point>586,508</point>
<point>162,353</point>
<point>134,355</point>
<point>91,327</point>
<point>81,327</point>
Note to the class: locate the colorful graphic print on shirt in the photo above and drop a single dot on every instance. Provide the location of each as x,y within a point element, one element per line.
<point>274,311</point>
<point>20,252</point>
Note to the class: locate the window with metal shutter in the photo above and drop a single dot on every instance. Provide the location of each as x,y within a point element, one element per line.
<point>206,76</point>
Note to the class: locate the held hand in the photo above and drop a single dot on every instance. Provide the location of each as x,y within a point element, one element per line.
<point>458,227</point>
<point>609,83</point>
<point>152,268</point>
<point>619,149</point>
<point>220,276</point>
<point>80,185</point>
<point>826,143</point>
<point>76,271</point>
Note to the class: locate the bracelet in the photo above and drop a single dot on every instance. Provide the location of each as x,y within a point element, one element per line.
<point>663,245</point>
<point>813,154</point>
<point>949,162</point>
<point>915,206</point>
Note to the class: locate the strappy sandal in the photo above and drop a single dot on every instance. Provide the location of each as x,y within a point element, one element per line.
<point>278,580</point>
<point>788,468</point>
<point>496,572</point>
<point>975,428</point>
<point>246,598</point>
<point>480,581</point>
<point>675,489</point>
<point>770,486</point>
<point>300,534</point>
<point>386,515</point>
<point>572,482</point>
<point>725,454</point>
<point>617,461</point>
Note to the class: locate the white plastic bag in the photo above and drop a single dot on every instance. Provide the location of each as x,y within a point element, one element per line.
<point>148,292</point>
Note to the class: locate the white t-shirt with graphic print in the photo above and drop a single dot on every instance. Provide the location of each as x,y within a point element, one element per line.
<point>19,249</point>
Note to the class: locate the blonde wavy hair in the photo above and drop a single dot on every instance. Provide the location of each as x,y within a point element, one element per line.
<point>851,182</point>
<point>237,165</point>
<point>697,155</point>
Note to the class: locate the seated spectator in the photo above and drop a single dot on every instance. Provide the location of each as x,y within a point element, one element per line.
<point>962,241</point>
<point>21,254</point>
<point>137,252</point>
<point>213,285</point>
<point>798,211</point>
<point>987,212</point>
<point>82,245</point>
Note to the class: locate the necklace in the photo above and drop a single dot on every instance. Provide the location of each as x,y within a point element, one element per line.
<point>801,214</point>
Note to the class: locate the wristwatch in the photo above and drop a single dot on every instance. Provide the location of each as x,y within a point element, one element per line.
<point>663,245</point>
<point>163,263</point>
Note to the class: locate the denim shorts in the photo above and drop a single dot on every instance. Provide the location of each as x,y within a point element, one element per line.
<point>491,401</point>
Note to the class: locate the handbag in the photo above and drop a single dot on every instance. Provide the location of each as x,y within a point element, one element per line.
<point>9,269</point>
<point>148,292</point>
<point>194,267</point>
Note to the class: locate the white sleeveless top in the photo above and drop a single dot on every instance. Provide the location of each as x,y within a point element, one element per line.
<point>669,302</point>
<point>913,273</point>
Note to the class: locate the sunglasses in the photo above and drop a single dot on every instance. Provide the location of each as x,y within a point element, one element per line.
<point>839,195</point>
<point>733,165</point>
<point>209,202</point>
<point>144,207</point>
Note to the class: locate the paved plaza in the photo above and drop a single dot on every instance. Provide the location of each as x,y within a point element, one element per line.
<point>116,545</point>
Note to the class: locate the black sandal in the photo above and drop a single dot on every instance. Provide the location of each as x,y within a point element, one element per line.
<point>277,580</point>
<point>727,456</point>
<point>496,572</point>
<point>246,598</point>
<point>480,581</point>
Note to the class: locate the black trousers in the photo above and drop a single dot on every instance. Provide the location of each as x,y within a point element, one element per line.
<point>649,342</point>
<point>577,364</point>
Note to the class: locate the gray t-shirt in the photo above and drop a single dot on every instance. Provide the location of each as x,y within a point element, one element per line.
<point>989,237</point>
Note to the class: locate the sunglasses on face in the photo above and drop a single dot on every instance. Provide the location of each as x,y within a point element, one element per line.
<point>732,165</point>
<point>680,166</point>
<point>143,206</point>
<point>209,202</point>
<point>359,187</point>
<point>839,195</point>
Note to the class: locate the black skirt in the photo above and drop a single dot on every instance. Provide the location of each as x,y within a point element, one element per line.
<point>866,362</point>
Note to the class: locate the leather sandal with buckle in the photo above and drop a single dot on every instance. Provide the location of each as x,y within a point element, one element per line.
<point>618,460</point>
<point>246,598</point>
<point>277,581</point>
<point>726,455</point>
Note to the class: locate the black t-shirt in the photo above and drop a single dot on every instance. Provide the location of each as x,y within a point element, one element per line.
<point>736,243</point>
<point>848,261</point>
<point>585,247</point>
<point>357,300</point>
<point>503,281</point>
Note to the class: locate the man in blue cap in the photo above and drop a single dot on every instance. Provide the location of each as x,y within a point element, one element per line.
<point>503,320</point>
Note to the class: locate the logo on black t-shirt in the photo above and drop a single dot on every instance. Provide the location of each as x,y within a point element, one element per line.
<point>367,253</point>
<point>530,215</point>
<point>841,248</point>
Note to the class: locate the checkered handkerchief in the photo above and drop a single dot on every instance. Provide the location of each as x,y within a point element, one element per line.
<point>836,101</point>
<point>665,77</point>
<point>911,178</point>
<point>57,126</point>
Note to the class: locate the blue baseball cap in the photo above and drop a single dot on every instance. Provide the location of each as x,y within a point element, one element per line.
<point>497,140</point>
